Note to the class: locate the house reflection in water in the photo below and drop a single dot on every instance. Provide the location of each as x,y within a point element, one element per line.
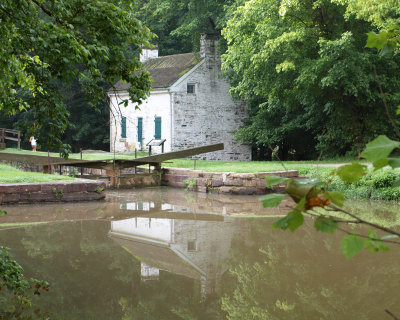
<point>164,238</point>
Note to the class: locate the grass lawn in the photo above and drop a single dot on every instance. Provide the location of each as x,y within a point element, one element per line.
<point>304,167</point>
<point>85,156</point>
<point>10,174</point>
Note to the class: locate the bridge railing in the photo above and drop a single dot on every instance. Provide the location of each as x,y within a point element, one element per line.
<point>9,134</point>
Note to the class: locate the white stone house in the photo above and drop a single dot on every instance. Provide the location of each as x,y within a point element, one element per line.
<point>189,106</point>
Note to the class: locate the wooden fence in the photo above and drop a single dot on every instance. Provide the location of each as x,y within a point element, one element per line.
<point>9,134</point>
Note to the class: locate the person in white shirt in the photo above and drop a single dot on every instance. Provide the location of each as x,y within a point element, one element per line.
<point>33,142</point>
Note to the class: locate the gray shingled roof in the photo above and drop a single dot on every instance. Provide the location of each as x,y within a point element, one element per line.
<point>165,71</point>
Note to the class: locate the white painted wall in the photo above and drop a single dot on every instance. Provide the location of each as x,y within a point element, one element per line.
<point>157,104</point>
<point>148,228</point>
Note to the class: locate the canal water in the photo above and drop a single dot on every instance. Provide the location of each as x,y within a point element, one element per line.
<point>169,254</point>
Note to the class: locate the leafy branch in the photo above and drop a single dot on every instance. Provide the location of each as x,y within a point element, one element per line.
<point>309,194</point>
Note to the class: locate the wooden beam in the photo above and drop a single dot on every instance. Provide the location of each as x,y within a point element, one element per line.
<point>110,164</point>
<point>181,154</point>
<point>27,158</point>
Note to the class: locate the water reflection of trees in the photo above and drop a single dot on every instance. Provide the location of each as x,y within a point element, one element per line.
<point>305,276</point>
<point>272,275</point>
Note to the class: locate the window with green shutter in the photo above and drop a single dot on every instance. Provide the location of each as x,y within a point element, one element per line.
<point>157,126</point>
<point>140,130</point>
<point>123,127</point>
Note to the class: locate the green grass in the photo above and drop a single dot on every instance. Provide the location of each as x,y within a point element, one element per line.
<point>304,167</point>
<point>9,174</point>
<point>85,156</point>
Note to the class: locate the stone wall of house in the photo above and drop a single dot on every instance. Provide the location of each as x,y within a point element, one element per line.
<point>223,182</point>
<point>209,115</point>
<point>206,244</point>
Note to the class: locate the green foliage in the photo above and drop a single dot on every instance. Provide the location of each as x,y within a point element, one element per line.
<point>48,45</point>
<point>374,243</point>
<point>274,180</point>
<point>99,190</point>
<point>311,194</point>
<point>14,281</point>
<point>336,198</point>
<point>351,245</point>
<point>304,71</point>
<point>379,148</point>
<point>179,23</point>
<point>352,172</point>
<point>291,221</point>
<point>325,224</point>
<point>271,200</point>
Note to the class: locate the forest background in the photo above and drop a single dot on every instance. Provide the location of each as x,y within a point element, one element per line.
<point>301,66</point>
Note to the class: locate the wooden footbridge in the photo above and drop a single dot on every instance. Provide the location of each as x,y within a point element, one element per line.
<point>112,166</point>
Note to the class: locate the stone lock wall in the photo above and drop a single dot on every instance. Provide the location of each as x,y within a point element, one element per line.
<point>223,182</point>
<point>51,192</point>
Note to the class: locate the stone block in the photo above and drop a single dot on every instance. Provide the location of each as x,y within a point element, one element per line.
<point>246,191</point>
<point>244,176</point>
<point>262,183</point>
<point>202,189</point>
<point>40,197</point>
<point>30,188</point>
<point>10,197</point>
<point>217,182</point>
<point>201,182</point>
<point>75,196</point>
<point>225,190</point>
<point>260,190</point>
<point>8,188</point>
<point>75,187</point>
<point>233,182</point>
<point>250,182</point>
<point>91,187</point>
<point>53,187</point>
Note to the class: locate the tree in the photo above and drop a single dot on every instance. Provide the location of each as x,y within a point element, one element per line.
<point>48,44</point>
<point>178,24</point>
<point>303,69</point>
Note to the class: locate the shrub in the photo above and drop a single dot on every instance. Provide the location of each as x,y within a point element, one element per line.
<point>375,185</point>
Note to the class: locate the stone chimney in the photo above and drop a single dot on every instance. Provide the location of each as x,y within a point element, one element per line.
<point>209,49</point>
<point>148,53</point>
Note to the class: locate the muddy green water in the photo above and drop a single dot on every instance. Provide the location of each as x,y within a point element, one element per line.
<point>169,254</point>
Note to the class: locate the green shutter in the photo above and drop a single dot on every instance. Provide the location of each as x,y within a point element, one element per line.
<point>140,130</point>
<point>157,131</point>
<point>123,127</point>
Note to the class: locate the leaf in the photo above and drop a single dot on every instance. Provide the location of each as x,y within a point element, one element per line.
<point>291,221</point>
<point>324,224</point>
<point>394,162</point>
<point>380,163</point>
<point>351,245</point>
<point>336,198</point>
<point>379,148</point>
<point>274,180</point>
<point>301,205</point>
<point>398,110</point>
<point>376,40</point>
<point>300,188</point>
<point>272,200</point>
<point>351,172</point>
<point>374,243</point>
